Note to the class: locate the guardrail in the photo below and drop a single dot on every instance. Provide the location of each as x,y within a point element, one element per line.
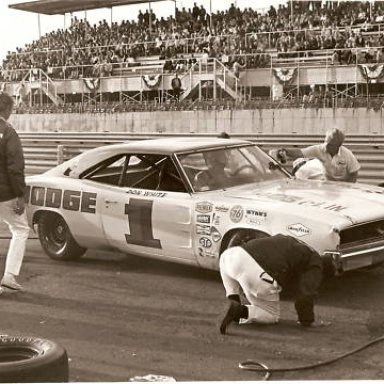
<point>43,151</point>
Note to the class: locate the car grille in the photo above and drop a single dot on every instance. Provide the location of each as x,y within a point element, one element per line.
<point>358,235</point>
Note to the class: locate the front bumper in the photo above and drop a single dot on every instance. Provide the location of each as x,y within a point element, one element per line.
<point>358,256</point>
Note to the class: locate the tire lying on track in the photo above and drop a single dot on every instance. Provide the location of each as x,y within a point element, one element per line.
<point>32,360</point>
<point>56,238</point>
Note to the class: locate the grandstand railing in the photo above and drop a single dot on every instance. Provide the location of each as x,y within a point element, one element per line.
<point>44,150</point>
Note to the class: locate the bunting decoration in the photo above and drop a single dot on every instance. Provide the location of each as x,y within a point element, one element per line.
<point>152,81</point>
<point>92,83</point>
<point>371,72</point>
<point>285,75</point>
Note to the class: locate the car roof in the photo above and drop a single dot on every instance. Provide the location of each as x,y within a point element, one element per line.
<point>171,145</point>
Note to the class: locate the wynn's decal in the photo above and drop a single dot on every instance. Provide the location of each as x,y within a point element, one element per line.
<point>57,198</point>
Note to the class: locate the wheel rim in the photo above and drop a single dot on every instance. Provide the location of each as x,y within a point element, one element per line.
<point>56,235</point>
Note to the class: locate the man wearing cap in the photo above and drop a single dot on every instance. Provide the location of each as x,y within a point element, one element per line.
<point>339,163</point>
<point>12,190</point>
<point>260,268</point>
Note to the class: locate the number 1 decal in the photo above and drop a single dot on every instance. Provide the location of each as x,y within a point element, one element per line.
<point>140,223</point>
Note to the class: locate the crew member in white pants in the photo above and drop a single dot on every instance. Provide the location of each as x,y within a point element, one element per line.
<point>259,269</point>
<point>12,190</point>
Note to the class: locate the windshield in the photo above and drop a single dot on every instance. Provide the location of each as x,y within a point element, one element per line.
<point>229,167</point>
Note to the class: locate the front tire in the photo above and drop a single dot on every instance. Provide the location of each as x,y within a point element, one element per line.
<point>56,238</point>
<point>240,237</point>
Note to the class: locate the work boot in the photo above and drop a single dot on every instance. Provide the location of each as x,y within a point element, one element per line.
<point>233,312</point>
<point>10,282</point>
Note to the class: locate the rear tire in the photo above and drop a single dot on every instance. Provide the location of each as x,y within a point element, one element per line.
<point>32,360</point>
<point>56,238</point>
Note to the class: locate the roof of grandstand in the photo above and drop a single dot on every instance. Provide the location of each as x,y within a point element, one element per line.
<point>60,7</point>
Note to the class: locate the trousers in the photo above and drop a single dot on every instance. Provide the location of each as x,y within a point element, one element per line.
<point>241,273</point>
<point>18,226</point>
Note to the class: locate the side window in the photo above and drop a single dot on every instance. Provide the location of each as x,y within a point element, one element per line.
<point>109,171</point>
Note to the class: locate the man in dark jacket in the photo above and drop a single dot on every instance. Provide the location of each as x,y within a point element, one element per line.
<point>12,190</point>
<point>262,267</point>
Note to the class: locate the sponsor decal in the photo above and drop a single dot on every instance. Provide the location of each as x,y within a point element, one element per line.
<point>66,199</point>
<point>205,242</point>
<point>203,229</point>
<point>221,208</point>
<point>298,230</point>
<point>205,219</point>
<point>215,219</point>
<point>300,201</point>
<point>236,214</point>
<point>254,216</point>
<point>256,213</point>
<point>204,207</point>
<point>211,254</point>
<point>323,204</point>
<point>215,234</point>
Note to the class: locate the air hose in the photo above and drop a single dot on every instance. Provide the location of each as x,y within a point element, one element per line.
<point>251,365</point>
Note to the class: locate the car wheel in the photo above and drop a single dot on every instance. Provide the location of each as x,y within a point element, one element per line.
<point>32,360</point>
<point>56,238</point>
<point>240,237</point>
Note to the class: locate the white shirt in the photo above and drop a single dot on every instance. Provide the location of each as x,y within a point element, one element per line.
<point>338,167</point>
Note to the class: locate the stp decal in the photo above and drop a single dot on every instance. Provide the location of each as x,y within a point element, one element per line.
<point>205,242</point>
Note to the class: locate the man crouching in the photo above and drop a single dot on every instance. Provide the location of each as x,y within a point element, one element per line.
<point>260,268</point>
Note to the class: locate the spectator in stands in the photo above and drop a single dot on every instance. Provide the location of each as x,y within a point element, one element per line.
<point>339,162</point>
<point>176,86</point>
<point>12,191</point>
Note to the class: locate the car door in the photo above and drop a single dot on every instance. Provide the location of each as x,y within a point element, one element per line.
<point>145,214</point>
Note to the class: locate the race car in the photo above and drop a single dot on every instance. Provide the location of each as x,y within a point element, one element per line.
<point>188,199</point>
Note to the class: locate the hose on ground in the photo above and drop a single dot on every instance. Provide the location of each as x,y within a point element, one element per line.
<point>256,366</point>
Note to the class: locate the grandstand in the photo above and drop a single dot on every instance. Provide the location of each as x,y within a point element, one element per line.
<point>321,54</point>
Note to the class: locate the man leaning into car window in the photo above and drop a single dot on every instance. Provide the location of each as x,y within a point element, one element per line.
<point>12,190</point>
<point>259,269</point>
<point>339,163</point>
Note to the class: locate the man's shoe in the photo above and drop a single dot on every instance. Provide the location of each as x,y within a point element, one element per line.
<point>10,282</point>
<point>233,313</point>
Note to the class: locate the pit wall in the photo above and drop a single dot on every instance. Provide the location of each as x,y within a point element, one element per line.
<point>260,121</point>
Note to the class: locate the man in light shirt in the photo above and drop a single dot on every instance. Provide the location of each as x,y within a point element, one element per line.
<point>339,163</point>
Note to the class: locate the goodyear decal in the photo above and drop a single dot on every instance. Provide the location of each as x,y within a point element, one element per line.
<point>66,199</point>
<point>298,230</point>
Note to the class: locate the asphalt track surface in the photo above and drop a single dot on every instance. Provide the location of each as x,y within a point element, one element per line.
<point>121,316</point>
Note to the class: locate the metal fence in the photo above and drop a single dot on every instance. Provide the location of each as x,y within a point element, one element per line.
<point>45,150</point>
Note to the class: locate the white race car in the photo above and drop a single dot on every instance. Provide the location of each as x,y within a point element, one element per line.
<point>188,199</point>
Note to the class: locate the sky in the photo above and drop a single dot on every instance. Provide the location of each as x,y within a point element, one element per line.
<point>18,28</point>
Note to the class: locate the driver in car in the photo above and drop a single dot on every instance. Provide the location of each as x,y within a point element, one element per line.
<point>215,176</point>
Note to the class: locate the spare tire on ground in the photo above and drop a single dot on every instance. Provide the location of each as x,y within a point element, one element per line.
<point>32,360</point>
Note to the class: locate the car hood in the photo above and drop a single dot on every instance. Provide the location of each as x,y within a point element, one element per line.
<point>322,200</point>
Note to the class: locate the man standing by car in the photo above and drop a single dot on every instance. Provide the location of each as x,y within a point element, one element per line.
<point>260,268</point>
<point>339,163</point>
<point>12,190</point>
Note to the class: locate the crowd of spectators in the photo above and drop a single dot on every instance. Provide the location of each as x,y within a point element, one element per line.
<point>85,50</point>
